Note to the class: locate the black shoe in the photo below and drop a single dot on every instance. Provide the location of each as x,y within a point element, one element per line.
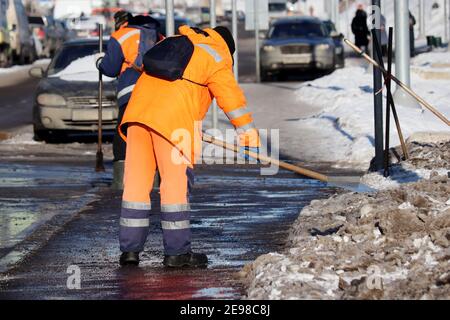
<point>129,259</point>
<point>196,260</point>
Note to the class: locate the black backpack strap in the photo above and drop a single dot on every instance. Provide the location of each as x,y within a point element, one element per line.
<point>199,84</point>
<point>200,31</point>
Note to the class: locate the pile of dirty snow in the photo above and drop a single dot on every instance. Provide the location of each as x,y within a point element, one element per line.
<point>394,244</point>
<point>426,159</point>
<point>82,69</point>
<point>342,128</point>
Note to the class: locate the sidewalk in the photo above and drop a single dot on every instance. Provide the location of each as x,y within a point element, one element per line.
<point>237,216</point>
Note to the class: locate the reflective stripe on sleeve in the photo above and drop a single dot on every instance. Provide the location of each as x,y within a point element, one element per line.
<point>134,223</point>
<point>177,225</point>
<point>126,36</point>
<point>217,57</point>
<point>168,208</point>
<point>125,91</point>
<point>136,205</point>
<point>237,113</point>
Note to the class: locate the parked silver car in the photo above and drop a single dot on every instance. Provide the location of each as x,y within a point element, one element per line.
<point>68,105</point>
<point>297,43</point>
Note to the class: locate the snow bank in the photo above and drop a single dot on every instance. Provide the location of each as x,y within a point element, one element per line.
<point>394,244</point>
<point>342,127</point>
<point>21,139</point>
<point>82,69</point>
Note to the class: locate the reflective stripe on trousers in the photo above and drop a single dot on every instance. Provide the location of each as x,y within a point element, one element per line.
<point>134,226</point>
<point>176,228</point>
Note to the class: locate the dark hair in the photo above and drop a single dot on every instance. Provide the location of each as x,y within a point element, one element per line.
<point>227,36</point>
<point>121,17</point>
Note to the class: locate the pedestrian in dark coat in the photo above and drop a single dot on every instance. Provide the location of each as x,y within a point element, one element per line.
<point>360,29</point>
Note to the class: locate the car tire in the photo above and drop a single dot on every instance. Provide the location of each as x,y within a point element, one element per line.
<point>5,59</point>
<point>264,76</point>
<point>41,135</point>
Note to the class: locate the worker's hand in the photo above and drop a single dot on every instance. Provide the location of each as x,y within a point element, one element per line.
<point>242,153</point>
<point>98,59</point>
<point>249,141</point>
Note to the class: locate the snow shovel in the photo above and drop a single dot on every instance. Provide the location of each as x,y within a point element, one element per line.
<point>351,183</point>
<point>99,166</point>
<point>305,172</point>
<point>398,82</point>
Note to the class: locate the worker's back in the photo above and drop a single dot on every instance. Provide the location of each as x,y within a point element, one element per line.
<point>166,106</point>
<point>125,51</point>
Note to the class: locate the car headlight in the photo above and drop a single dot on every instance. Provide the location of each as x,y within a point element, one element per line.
<point>268,48</point>
<point>51,100</point>
<point>322,47</point>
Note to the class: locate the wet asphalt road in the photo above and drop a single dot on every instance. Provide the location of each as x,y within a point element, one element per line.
<point>237,216</point>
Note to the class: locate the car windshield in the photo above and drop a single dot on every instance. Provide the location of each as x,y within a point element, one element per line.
<point>68,54</point>
<point>297,30</point>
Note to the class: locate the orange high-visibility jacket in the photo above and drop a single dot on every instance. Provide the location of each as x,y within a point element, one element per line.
<point>167,107</point>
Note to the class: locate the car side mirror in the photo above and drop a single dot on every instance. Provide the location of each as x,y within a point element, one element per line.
<point>262,35</point>
<point>36,72</point>
<point>13,27</point>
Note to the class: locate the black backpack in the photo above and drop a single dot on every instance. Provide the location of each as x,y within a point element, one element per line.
<point>169,59</point>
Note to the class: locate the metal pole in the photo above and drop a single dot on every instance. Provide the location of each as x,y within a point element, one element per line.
<point>422,18</point>
<point>170,18</point>
<point>378,97</point>
<point>213,24</point>
<point>99,166</point>
<point>335,13</point>
<point>234,23</point>
<point>212,13</point>
<point>258,58</point>
<point>327,10</point>
<point>402,53</point>
<point>446,21</point>
<point>347,19</point>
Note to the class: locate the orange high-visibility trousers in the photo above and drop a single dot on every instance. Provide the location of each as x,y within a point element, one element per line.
<point>146,151</point>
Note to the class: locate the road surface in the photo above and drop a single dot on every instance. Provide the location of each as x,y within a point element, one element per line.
<point>236,216</point>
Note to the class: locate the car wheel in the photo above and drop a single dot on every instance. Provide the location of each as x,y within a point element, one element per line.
<point>22,59</point>
<point>41,135</point>
<point>265,76</point>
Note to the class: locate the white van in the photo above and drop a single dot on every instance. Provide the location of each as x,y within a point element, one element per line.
<point>22,44</point>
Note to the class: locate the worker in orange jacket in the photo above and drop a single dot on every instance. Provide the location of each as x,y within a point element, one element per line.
<point>159,126</point>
